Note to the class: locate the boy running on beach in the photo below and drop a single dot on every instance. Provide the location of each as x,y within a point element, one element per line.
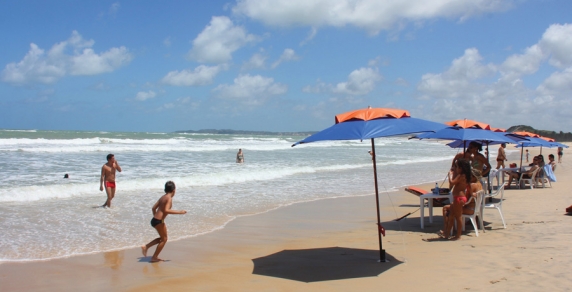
<point>160,211</point>
<point>108,175</point>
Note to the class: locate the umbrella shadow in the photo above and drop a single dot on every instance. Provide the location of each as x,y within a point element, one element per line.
<point>323,264</point>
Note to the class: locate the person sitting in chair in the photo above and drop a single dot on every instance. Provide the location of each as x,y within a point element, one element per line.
<point>552,162</point>
<point>527,174</point>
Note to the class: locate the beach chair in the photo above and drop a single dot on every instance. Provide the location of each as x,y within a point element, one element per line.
<point>498,206</point>
<point>531,181</point>
<point>547,177</point>
<point>477,213</point>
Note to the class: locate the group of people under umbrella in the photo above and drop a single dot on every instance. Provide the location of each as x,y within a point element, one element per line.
<point>371,123</point>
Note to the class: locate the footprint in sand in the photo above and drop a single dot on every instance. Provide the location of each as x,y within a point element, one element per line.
<point>496,281</point>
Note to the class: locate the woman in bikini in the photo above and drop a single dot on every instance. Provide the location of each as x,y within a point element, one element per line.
<point>475,158</point>
<point>459,180</point>
<point>469,208</point>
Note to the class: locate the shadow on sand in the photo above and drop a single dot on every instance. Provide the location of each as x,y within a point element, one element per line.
<point>323,264</point>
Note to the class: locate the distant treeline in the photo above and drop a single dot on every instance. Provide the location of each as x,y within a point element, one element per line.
<point>240,132</point>
<point>558,136</point>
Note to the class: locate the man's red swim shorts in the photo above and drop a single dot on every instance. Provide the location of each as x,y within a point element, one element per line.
<point>110,184</point>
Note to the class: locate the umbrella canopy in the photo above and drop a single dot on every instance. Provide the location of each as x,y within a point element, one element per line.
<point>464,123</point>
<point>527,134</point>
<point>536,142</point>
<point>498,129</point>
<point>466,131</point>
<point>373,123</point>
<point>557,144</point>
<point>513,138</point>
<point>468,134</point>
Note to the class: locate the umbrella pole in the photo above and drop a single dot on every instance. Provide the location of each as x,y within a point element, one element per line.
<point>489,176</point>
<point>521,149</point>
<point>381,251</point>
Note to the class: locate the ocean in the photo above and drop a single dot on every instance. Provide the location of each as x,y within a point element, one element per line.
<point>45,215</point>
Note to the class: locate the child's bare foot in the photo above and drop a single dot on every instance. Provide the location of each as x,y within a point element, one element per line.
<point>154,260</point>
<point>144,250</point>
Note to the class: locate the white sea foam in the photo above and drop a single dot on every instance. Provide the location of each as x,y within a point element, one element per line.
<point>210,185</point>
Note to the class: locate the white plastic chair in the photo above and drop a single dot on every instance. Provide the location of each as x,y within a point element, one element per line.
<point>531,181</point>
<point>516,182</point>
<point>478,212</point>
<point>497,206</point>
<point>542,180</point>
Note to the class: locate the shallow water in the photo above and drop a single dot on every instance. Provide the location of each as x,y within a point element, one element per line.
<point>46,216</point>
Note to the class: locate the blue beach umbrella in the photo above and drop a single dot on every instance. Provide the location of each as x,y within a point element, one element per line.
<point>465,131</point>
<point>557,144</point>
<point>462,135</point>
<point>373,123</point>
<point>537,141</point>
<point>514,139</point>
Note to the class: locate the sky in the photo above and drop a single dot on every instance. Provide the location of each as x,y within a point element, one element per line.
<point>281,65</point>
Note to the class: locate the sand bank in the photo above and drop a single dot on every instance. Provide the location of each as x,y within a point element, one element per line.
<point>331,245</point>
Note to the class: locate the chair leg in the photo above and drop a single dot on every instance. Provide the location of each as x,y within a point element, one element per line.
<point>482,222</point>
<point>502,218</point>
<point>474,226</point>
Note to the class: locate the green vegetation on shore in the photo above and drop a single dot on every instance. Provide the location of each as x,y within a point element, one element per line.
<point>558,136</point>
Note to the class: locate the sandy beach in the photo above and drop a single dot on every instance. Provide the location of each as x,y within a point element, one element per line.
<point>331,245</point>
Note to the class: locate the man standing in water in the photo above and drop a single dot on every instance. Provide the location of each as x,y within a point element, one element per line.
<point>108,175</point>
<point>160,211</point>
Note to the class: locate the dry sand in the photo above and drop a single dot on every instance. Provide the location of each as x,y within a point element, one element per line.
<point>331,245</point>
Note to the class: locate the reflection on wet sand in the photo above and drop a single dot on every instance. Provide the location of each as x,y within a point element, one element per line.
<point>113,259</point>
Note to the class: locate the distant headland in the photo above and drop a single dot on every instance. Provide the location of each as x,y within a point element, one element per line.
<point>558,136</point>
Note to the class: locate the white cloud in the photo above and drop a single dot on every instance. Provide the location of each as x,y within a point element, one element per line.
<point>360,82</point>
<point>167,42</point>
<point>517,65</point>
<point>114,8</point>
<point>250,90</point>
<point>145,95</point>
<point>202,75</point>
<point>219,39</point>
<point>181,103</point>
<point>287,55</point>
<point>257,61</point>
<point>401,82</point>
<point>311,35</point>
<point>557,41</point>
<point>111,12</point>
<point>497,94</point>
<point>458,80</point>
<point>42,67</point>
<point>370,15</point>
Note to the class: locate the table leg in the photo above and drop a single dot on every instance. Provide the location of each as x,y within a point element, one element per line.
<point>422,207</point>
<point>430,205</point>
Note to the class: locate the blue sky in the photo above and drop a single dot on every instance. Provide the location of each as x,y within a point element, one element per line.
<point>282,65</point>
